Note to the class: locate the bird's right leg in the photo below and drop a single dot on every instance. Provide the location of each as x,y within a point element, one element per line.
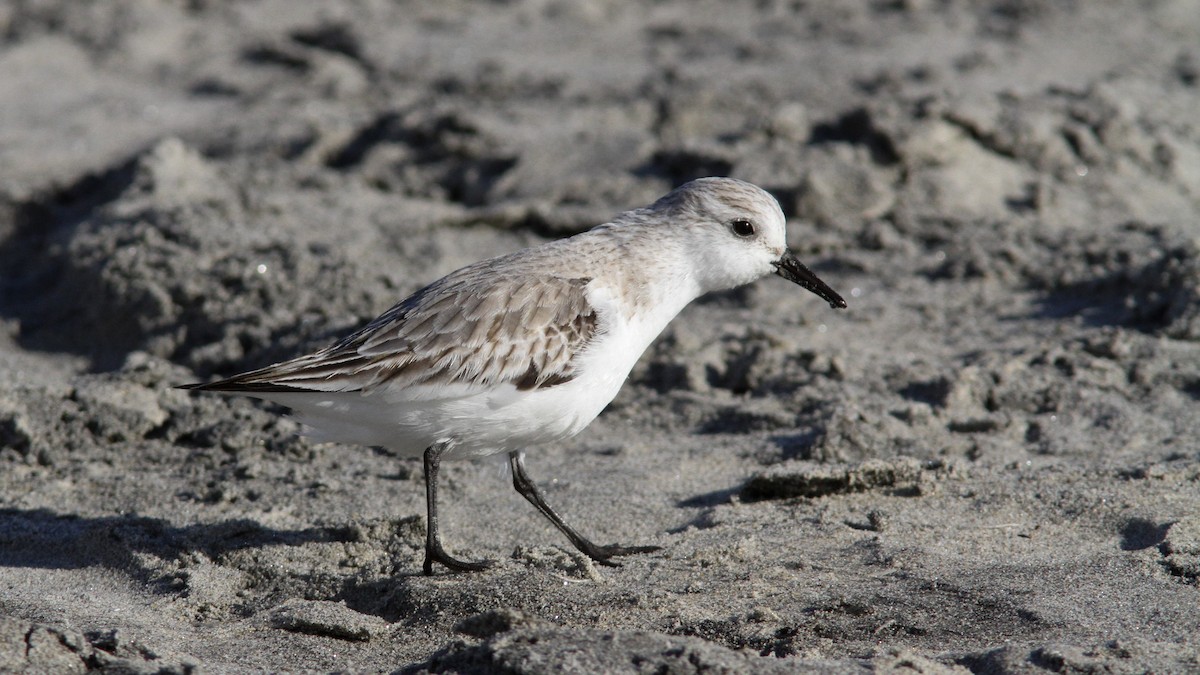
<point>433,541</point>
<point>602,554</point>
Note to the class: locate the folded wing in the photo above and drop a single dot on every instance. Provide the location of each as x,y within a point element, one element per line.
<point>458,333</point>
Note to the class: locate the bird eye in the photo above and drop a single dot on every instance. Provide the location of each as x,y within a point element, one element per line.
<point>742,228</point>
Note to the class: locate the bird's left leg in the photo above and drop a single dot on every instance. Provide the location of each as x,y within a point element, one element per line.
<point>433,540</point>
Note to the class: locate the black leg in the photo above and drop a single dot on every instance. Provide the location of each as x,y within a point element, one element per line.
<point>433,541</point>
<point>601,554</point>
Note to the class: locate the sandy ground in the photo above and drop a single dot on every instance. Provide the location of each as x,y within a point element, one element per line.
<point>988,463</point>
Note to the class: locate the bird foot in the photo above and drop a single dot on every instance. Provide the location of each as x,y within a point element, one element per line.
<point>605,554</point>
<point>440,556</point>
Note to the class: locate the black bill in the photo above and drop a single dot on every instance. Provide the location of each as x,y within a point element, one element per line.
<point>793,270</point>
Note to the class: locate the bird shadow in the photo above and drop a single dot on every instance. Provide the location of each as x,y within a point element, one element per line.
<point>706,503</point>
<point>41,538</point>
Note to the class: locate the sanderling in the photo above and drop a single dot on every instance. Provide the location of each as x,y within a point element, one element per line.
<point>528,348</point>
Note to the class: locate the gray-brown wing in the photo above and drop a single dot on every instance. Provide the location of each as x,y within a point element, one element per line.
<point>524,330</point>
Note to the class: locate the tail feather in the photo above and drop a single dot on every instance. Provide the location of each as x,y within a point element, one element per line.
<point>231,385</point>
<point>246,383</point>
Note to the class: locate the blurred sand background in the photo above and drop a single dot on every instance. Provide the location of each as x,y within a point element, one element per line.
<point>989,463</point>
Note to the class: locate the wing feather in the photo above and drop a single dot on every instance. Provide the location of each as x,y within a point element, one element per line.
<point>462,330</point>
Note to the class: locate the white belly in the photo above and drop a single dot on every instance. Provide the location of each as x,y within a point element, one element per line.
<point>479,423</point>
